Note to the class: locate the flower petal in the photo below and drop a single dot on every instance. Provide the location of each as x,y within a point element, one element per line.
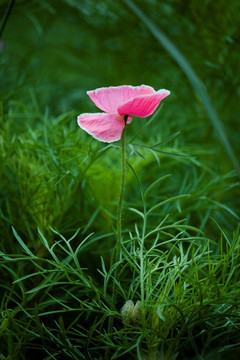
<point>110,98</point>
<point>102,126</point>
<point>143,105</point>
<point>129,119</point>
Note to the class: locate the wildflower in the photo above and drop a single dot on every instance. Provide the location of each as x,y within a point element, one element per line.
<point>131,314</point>
<point>118,102</point>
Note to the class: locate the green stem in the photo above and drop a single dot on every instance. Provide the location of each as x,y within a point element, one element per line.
<point>117,250</point>
<point>117,255</point>
<point>120,203</point>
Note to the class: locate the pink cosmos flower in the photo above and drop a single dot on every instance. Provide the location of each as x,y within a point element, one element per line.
<point>117,102</point>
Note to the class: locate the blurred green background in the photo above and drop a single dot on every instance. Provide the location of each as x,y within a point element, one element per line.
<point>54,51</point>
<point>63,48</point>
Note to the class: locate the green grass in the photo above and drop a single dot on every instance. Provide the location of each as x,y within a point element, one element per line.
<point>173,292</point>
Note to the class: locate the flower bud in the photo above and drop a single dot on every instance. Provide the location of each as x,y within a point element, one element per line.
<point>131,314</point>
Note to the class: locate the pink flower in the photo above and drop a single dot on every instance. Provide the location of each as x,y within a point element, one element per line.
<point>117,102</point>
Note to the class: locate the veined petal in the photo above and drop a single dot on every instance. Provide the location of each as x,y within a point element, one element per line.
<point>143,105</point>
<point>110,98</point>
<point>102,126</point>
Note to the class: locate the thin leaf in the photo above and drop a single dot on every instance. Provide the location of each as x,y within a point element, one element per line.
<point>137,212</point>
<point>155,183</point>
<point>168,139</point>
<point>162,152</point>
<point>167,201</point>
<point>24,246</point>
